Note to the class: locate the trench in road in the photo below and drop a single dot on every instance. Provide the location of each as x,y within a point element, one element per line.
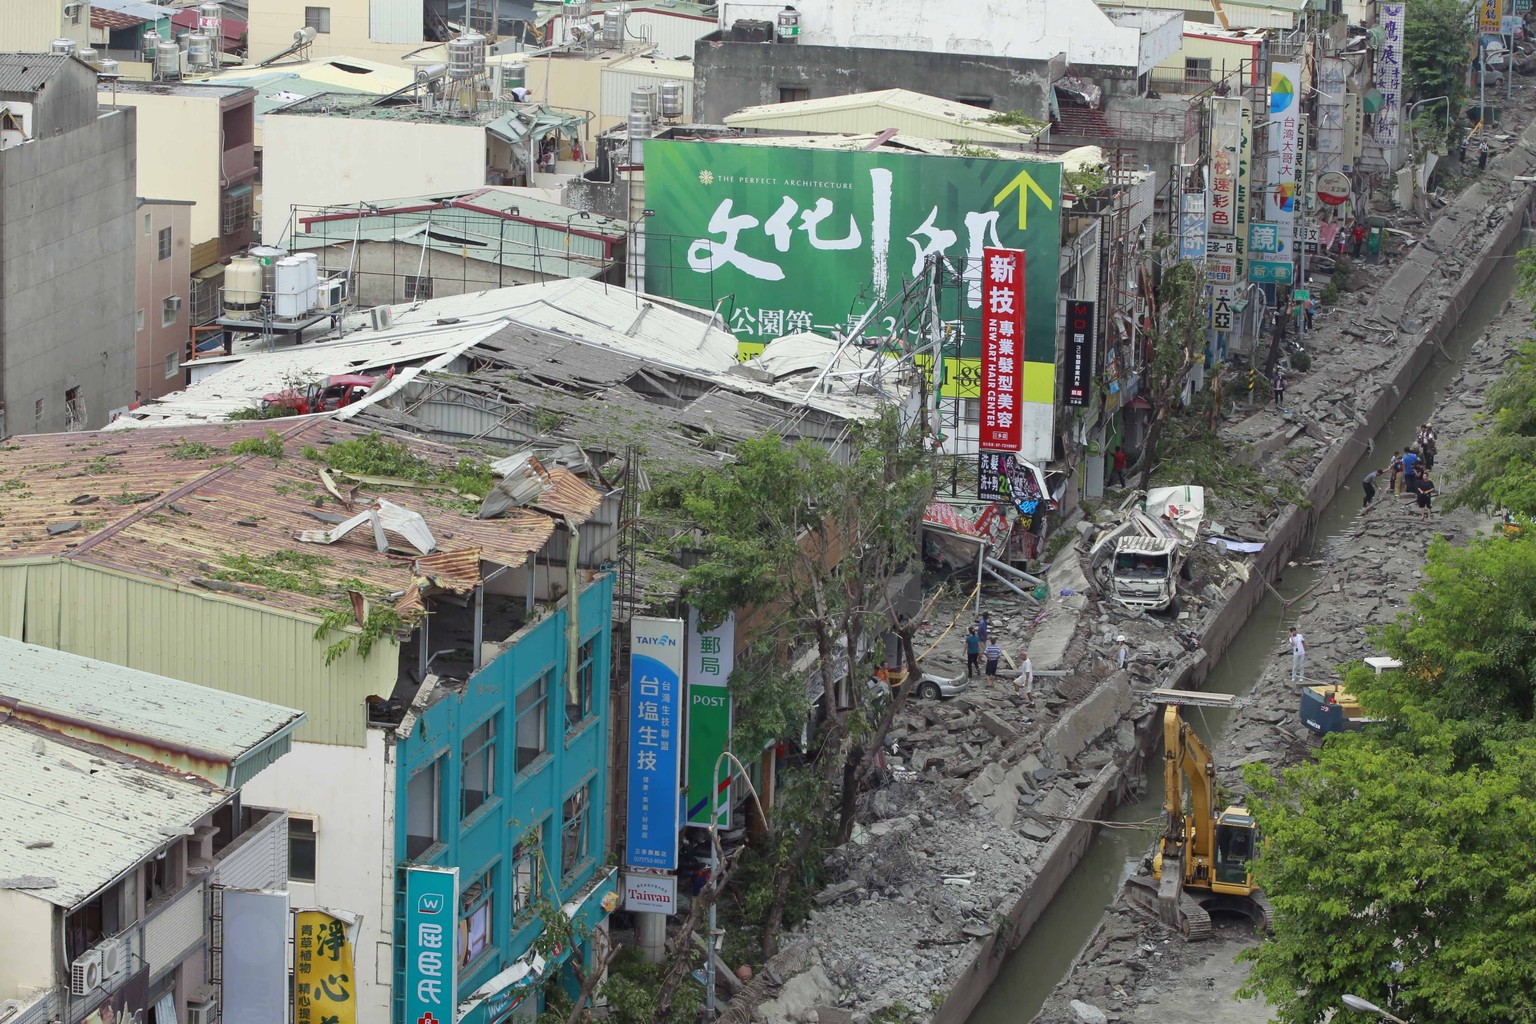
<point>1042,960</point>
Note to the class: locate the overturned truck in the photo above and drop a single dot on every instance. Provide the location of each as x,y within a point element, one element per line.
<point>1140,559</point>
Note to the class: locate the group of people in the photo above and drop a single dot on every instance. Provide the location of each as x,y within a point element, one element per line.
<point>981,643</point>
<point>1408,473</point>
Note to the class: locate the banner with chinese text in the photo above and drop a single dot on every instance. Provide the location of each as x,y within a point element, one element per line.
<point>1192,225</point>
<point>1079,356</point>
<point>655,726</point>
<point>323,982</point>
<point>1387,122</point>
<point>711,659</point>
<point>1280,193</point>
<point>1002,350</point>
<point>786,240</point>
<point>431,930</point>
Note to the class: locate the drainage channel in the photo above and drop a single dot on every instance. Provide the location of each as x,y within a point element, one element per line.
<point>1043,959</point>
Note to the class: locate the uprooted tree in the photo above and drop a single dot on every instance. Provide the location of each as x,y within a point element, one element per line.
<point>813,548</point>
<point>1179,343</point>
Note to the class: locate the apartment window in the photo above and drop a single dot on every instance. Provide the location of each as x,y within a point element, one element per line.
<point>578,698</point>
<point>971,411</point>
<point>476,917</point>
<point>573,831</point>
<point>532,711</point>
<point>1197,69</point>
<point>317,18</point>
<point>37,412</point>
<point>96,921</point>
<point>525,869</point>
<point>417,288</point>
<point>149,228</point>
<point>235,210</point>
<point>74,409</point>
<point>479,760</point>
<point>793,93</point>
<point>165,243</point>
<point>157,876</point>
<point>170,309</point>
<point>172,365</point>
<point>423,813</point>
<point>301,849</point>
<point>138,320</point>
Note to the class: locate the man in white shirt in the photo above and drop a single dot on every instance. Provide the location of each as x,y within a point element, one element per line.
<point>1123,655</point>
<point>1027,675</point>
<point>519,94</point>
<point>1298,655</point>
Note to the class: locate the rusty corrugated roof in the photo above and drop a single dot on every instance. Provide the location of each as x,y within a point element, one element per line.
<point>173,505</point>
<point>568,495</point>
<point>458,571</point>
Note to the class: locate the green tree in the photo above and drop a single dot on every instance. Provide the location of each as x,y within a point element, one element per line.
<point>1180,343</point>
<point>1397,876</point>
<point>1497,468</point>
<point>816,545</point>
<point>1437,38</point>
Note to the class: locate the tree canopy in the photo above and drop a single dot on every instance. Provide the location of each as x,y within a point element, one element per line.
<point>1437,37</point>
<point>1399,862</point>
<point>1497,468</point>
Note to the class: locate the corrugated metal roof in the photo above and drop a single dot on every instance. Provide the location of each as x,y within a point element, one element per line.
<point>911,112</point>
<point>138,8</point>
<point>172,505</point>
<point>166,712</point>
<point>28,72</point>
<point>76,819</point>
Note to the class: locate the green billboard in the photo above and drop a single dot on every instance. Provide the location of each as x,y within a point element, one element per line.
<point>783,240</point>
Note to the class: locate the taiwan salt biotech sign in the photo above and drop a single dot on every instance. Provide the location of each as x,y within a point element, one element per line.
<point>655,727</point>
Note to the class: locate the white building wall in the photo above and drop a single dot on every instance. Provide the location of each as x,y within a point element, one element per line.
<point>1027,29</point>
<point>319,161</point>
<point>377,29</point>
<point>350,792</point>
<point>28,26</point>
<point>26,944</point>
<point>179,146</point>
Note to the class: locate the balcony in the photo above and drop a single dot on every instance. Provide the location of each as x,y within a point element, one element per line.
<point>239,164</point>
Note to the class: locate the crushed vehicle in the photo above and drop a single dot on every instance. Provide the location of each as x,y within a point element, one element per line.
<point>1141,558</point>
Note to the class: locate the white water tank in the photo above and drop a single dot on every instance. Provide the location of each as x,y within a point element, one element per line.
<point>267,256</point>
<point>639,131</point>
<point>613,28</point>
<point>288,293</point>
<point>644,98</point>
<point>310,264</point>
<point>64,47</point>
<point>168,60</point>
<point>149,44</point>
<point>107,70</point>
<point>461,58</point>
<point>90,55</point>
<point>242,287</point>
<point>199,50</point>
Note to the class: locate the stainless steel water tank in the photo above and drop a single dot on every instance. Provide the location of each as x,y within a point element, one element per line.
<point>461,58</point>
<point>149,44</point>
<point>168,60</point>
<point>199,50</point>
<point>90,55</point>
<point>63,46</point>
<point>673,96</point>
<point>787,30</point>
<point>644,98</point>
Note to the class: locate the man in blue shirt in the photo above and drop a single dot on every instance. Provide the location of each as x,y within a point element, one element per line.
<point>972,653</point>
<point>1410,471</point>
<point>993,652</point>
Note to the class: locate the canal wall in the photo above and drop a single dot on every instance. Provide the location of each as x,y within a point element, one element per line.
<point>1499,209</point>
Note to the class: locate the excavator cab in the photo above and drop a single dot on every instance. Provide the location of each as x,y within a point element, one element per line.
<point>1237,843</point>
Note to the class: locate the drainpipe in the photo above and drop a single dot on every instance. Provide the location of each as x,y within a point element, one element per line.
<point>572,609</point>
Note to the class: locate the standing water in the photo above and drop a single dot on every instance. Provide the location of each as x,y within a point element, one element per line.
<point>1045,956</point>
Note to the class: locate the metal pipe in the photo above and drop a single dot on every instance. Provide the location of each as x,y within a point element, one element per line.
<point>1004,581</point>
<point>572,615</point>
<point>479,623</point>
<point>1020,573</point>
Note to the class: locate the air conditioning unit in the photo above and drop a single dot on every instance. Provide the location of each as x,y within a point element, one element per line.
<point>333,292</point>
<point>382,317</point>
<point>85,974</point>
<point>205,1012</point>
<point>174,302</point>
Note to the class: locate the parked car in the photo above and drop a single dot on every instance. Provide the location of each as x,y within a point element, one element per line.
<point>931,686</point>
<point>335,393</point>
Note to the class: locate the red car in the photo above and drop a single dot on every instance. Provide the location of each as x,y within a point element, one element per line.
<point>336,393</point>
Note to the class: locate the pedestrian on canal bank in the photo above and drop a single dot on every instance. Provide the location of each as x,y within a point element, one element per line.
<point>1122,653</point>
<point>1396,467</point>
<point>1482,155</point>
<point>1298,644</point>
<point>1369,486</point>
<point>972,653</point>
<point>993,653</point>
<point>983,627</point>
<point>1424,488</point>
<point>1277,384</point>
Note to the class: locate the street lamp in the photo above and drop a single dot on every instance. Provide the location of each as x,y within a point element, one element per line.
<point>1416,105</point>
<point>1366,1006</point>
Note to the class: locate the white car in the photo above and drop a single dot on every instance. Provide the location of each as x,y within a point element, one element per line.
<point>932,687</point>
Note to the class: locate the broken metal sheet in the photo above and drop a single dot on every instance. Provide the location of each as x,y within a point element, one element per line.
<point>458,571</point>
<point>385,517</point>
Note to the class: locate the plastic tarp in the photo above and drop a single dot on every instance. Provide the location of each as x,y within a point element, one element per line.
<point>799,353</point>
<point>1182,508</point>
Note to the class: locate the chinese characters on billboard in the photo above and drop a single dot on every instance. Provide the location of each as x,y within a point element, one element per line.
<point>1002,349</point>
<point>322,970</point>
<point>655,726</point>
<point>711,659</point>
<point>1080,344</point>
<point>431,922</point>
<point>1387,125</point>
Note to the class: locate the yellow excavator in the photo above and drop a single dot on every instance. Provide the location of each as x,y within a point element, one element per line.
<point>1201,861</point>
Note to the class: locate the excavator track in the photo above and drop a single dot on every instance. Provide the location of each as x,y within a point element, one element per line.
<point>1191,919</point>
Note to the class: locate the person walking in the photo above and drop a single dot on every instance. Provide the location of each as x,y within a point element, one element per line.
<point>1298,656</point>
<point>1117,467</point>
<point>1369,486</point>
<point>1359,236</point>
<point>1482,155</point>
<point>1027,676</point>
<point>982,627</point>
<point>1307,306</point>
<point>1299,311</point>
<point>1410,471</point>
<point>1396,466</point>
<point>1424,488</point>
<point>993,653</point>
<point>1427,446</point>
<point>1277,383</point>
<point>972,653</point>
<point>1123,653</point>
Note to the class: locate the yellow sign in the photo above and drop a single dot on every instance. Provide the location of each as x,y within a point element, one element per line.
<point>324,983</point>
<point>1023,184</point>
<point>1489,18</point>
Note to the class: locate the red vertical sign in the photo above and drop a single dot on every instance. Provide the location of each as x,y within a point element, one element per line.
<point>1002,350</point>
